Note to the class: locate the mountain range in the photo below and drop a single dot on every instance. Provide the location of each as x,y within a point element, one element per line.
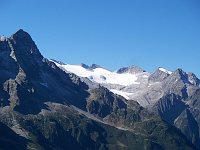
<point>47,104</point>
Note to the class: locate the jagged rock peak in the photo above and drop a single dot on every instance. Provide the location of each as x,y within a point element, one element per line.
<point>22,42</point>
<point>84,66</point>
<point>180,73</point>
<point>94,66</point>
<point>179,70</point>
<point>159,75</point>
<point>59,62</point>
<point>131,69</point>
<point>188,78</point>
<point>21,49</point>
<point>193,79</point>
<point>91,67</point>
<point>21,34</point>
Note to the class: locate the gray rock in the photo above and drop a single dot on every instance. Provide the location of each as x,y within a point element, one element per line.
<point>158,76</point>
<point>38,101</point>
<point>131,69</point>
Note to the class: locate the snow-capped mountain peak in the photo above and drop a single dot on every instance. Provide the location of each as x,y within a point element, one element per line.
<point>133,83</point>
<point>165,70</point>
<point>100,75</point>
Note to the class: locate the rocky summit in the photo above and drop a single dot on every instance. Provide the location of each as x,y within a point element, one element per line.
<point>45,105</point>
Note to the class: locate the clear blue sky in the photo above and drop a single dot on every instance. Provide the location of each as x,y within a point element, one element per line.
<point>111,33</point>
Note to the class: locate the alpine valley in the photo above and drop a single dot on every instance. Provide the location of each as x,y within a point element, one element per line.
<point>48,105</point>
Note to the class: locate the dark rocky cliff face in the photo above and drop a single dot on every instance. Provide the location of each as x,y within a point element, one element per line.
<point>179,105</point>
<point>42,107</point>
<point>28,79</point>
